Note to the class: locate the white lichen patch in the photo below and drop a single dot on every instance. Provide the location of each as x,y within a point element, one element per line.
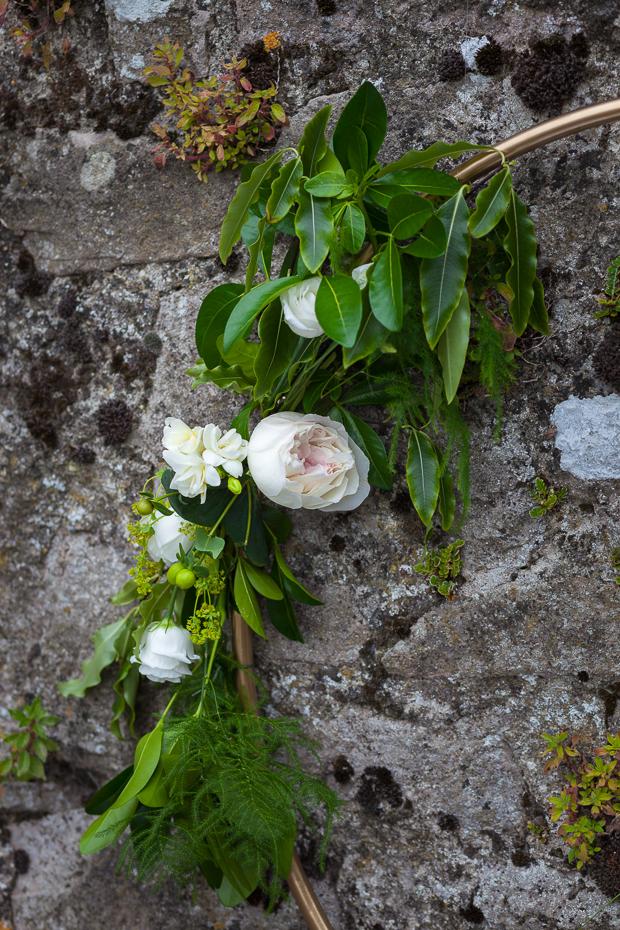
<point>588,436</point>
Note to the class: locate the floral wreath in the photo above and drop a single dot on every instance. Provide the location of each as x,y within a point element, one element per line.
<point>402,285</point>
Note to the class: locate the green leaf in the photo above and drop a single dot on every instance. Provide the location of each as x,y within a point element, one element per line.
<point>290,583</point>
<point>357,152</point>
<point>245,529</point>
<point>422,180</point>
<point>154,793</point>
<point>246,600</point>
<point>36,768</point>
<point>314,226</point>
<point>370,391</point>
<point>276,344</point>
<point>370,444</point>
<point>214,545</point>
<point>147,755</point>
<point>338,308</point>
<point>539,319</point>
<point>228,378</point>
<point>366,111</point>
<point>327,184</point>
<point>446,501</point>
<point>262,583</point>
<point>22,719</point>
<point>282,613</point>
<point>242,421</point>
<point>23,764</point>
<point>212,318</point>
<point>105,797</point>
<point>383,195</point>
<point>452,346</point>
<point>247,193</point>
<point>352,228</point>
<point>422,475</point>
<point>385,289</point>
<point>520,244</point>
<point>432,241</point>
<point>107,828</point>
<point>5,767</point>
<point>18,740</point>
<point>313,144</point>
<point>277,521</point>
<point>242,318</point>
<point>126,688</point>
<point>430,156</point>
<point>40,749</point>
<point>284,190</point>
<point>407,214</point>
<point>491,204</point>
<point>105,653</point>
<point>371,335</point>
<point>442,279</point>
<point>127,594</point>
<point>191,509</point>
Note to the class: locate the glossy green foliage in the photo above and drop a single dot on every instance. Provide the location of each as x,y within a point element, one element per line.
<point>29,745</point>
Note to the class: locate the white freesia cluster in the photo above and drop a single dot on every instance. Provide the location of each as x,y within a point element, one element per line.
<point>165,653</point>
<point>196,454</point>
<point>307,461</point>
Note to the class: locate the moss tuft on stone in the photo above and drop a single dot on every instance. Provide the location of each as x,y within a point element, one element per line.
<point>490,58</point>
<point>451,66</point>
<point>114,421</point>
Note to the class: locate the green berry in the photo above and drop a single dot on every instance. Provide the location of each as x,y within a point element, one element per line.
<point>185,579</point>
<point>144,508</point>
<point>173,571</point>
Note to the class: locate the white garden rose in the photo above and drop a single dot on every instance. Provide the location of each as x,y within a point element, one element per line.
<point>178,436</point>
<point>307,461</point>
<point>360,274</point>
<point>167,539</point>
<point>165,653</point>
<point>298,306</point>
<point>227,451</point>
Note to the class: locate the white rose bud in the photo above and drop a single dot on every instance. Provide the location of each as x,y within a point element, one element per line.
<point>178,436</point>
<point>167,539</point>
<point>360,275</point>
<point>307,461</point>
<point>298,306</point>
<point>165,653</point>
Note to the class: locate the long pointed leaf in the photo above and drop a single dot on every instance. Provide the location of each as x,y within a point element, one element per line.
<point>520,243</point>
<point>539,318</point>
<point>430,156</point>
<point>491,204</point>
<point>446,501</point>
<point>352,228</point>
<point>105,653</point>
<point>442,279</point>
<point>452,347</point>
<point>284,190</point>
<point>282,613</point>
<point>407,214</point>
<point>385,289</point>
<point>314,226</point>
<point>422,180</point>
<point>366,110</point>
<point>246,600</point>
<point>212,319</point>
<point>371,445</point>
<point>276,343</point>
<point>339,308</point>
<point>431,242</point>
<point>313,144</point>
<point>422,475</point>
<point>242,318</point>
<point>246,195</point>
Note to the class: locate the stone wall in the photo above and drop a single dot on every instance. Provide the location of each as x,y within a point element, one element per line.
<point>429,712</point>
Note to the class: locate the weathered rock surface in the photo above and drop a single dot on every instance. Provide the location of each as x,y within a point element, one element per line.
<point>436,707</point>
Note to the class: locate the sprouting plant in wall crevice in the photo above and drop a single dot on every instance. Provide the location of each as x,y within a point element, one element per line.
<point>441,567</point>
<point>29,745</point>
<point>546,498</point>
<point>220,121</point>
<point>37,15</point>
<point>611,300</point>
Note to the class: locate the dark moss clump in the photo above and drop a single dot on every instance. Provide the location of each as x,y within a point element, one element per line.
<point>22,861</point>
<point>377,789</point>
<point>262,66</point>
<point>451,66</point>
<point>74,342</point>
<point>604,867</point>
<point>82,455</point>
<point>579,45</point>
<point>232,262</point>
<point>326,7</point>
<point>67,304</point>
<point>448,822</point>
<point>547,74</point>
<point>44,400</point>
<point>114,421</point>
<point>126,109</point>
<point>133,361</point>
<point>343,770</point>
<point>606,359</point>
<point>337,544</point>
<point>490,58</point>
<point>33,284</point>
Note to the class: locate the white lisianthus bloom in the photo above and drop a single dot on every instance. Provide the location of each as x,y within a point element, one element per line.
<point>298,306</point>
<point>360,274</point>
<point>167,539</point>
<point>227,451</point>
<point>192,475</point>
<point>307,461</point>
<point>165,653</point>
<point>178,436</point>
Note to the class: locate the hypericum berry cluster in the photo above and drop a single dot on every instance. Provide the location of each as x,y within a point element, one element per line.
<point>204,624</point>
